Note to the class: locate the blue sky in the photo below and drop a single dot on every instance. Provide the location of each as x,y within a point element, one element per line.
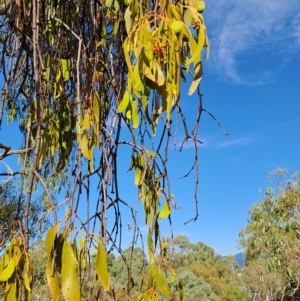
<point>251,85</point>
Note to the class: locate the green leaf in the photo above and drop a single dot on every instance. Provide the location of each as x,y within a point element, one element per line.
<point>28,276</point>
<point>85,147</point>
<point>12,291</point>
<point>187,17</point>
<point>151,154</point>
<point>65,69</point>
<point>27,282</point>
<point>173,277</point>
<point>96,105</point>
<point>165,212</point>
<point>81,242</point>
<point>156,75</point>
<point>124,103</point>
<point>8,271</point>
<point>69,275</point>
<point>86,122</point>
<point>150,247</point>
<point>137,163</point>
<point>134,114</point>
<point>127,18</point>
<point>101,267</point>
<point>52,279</point>
<point>161,282</point>
<point>197,78</point>
<point>50,238</point>
<point>197,53</point>
<point>159,279</point>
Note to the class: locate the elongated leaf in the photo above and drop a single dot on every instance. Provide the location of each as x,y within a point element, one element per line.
<point>197,78</point>
<point>86,122</point>
<point>197,53</point>
<point>150,247</point>
<point>69,275</point>
<point>27,282</point>
<point>85,147</point>
<point>8,271</point>
<point>12,292</point>
<point>137,162</point>
<point>65,69</point>
<point>52,279</point>
<point>134,114</point>
<point>96,106</point>
<point>161,282</point>
<point>101,267</point>
<point>28,276</point>
<point>124,103</point>
<point>152,154</point>
<point>127,18</point>
<point>50,238</point>
<point>81,242</point>
<point>165,212</point>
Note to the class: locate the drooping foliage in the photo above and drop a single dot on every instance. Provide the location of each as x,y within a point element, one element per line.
<point>84,79</point>
<point>271,240</point>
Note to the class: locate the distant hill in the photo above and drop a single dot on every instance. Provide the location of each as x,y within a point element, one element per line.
<point>240,258</point>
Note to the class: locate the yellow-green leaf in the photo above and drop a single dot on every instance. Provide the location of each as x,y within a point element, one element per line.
<point>187,17</point>
<point>134,114</point>
<point>50,238</point>
<point>161,282</point>
<point>81,242</point>
<point>197,78</point>
<point>127,18</point>
<point>96,106</point>
<point>151,154</point>
<point>165,212</point>
<point>69,275</point>
<point>197,53</point>
<point>52,279</point>
<point>173,277</point>
<point>65,69</point>
<point>138,170</point>
<point>101,267</point>
<point>85,147</point>
<point>124,103</point>
<point>86,122</point>
<point>11,291</point>
<point>8,271</point>
<point>150,247</point>
<point>27,282</point>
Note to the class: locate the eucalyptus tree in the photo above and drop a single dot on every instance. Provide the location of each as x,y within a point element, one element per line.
<point>271,240</point>
<point>93,84</point>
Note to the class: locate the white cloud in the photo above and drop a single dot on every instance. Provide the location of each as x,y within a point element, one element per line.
<point>235,142</point>
<point>247,31</point>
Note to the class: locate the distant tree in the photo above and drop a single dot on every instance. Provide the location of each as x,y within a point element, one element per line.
<point>12,209</point>
<point>195,288</point>
<point>204,263</point>
<point>233,293</point>
<point>128,268</point>
<point>271,239</point>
